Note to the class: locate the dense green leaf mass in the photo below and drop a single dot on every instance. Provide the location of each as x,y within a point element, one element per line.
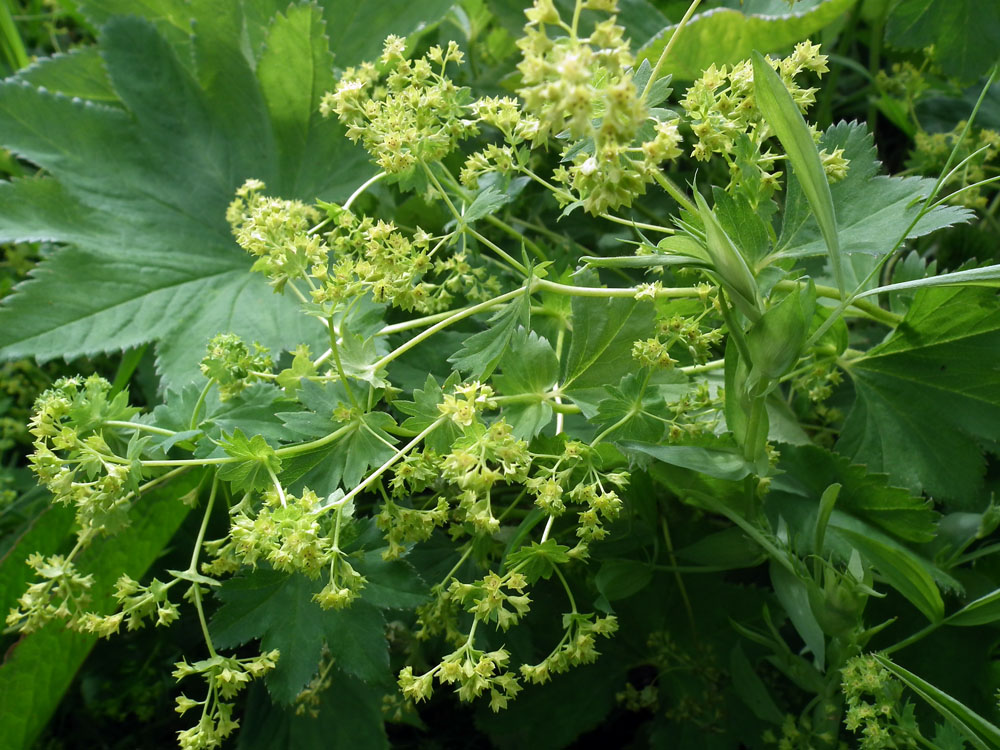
<point>929,396</point>
<point>873,211</point>
<point>965,33</point>
<point>141,202</point>
<point>279,610</point>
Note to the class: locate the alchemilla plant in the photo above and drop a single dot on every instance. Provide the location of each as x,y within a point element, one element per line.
<point>594,372</point>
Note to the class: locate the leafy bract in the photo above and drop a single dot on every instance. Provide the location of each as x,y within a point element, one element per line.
<point>141,201</point>
<point>278,609</point>
<point>481,352</point>
<point>633,411</point>
<point>726,35</point>
<point>604,329</point>
<point>256,462</point>
<point>930,394</point>
<point>364,443</point>
<point>873,211</point>
<point>965,33</point>
<point>423,411</point>
<point>529,368</point>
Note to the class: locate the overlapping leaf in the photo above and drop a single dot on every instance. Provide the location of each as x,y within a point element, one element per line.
<point>137,183</point>
<point>929,396</point>
<point>873,211</point>
<point>727,35</point>
<point>278,609</point>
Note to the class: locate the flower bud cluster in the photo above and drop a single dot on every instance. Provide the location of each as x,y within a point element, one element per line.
<point>474,672</point>
<point>485,456</point>
<point>289,537</point>
<point>405,525</point>
<point>486,598</point>
<point>577,646</point>
<point>72,457</point>
<point>583,88</point>
<point>233,365</point>
<point>62,594</point>
<point>138,603</point>
<point>276,232</point>
<point>225,677</point>
<point>722,111</point>
<point>404,112</point>
<point>353,257</point>
<point>874,701</point>
<point>931,152</point>
<point>575,477</point>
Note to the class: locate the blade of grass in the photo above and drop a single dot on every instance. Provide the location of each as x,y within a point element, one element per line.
<point>13,46</point>
<point>784,118</point>
<point>981,733</point>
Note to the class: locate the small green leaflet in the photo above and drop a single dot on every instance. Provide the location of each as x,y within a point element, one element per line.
<point>363,444</point>
<point>278,609</point>
<point>257,462</point>
<point>945,359</point>
<point>633,410</point>
<point>481,352</point>
<point>423,413</point>
<point>487,202</point>
<point>528,367</point>
<point>538,560</point>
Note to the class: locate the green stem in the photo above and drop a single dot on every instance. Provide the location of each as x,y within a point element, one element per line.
<point>367,184</point>
<point>195,554</point>
<point>141,427</point>
<point>508,229</point>
<point>675,192</point>
<point>870,309</point>
<point>335,351</point>
<point>922,633</point>
<point>595,291</point>
<point>715,364</point>
<point>515,264</point>
<point>451,319</point>
<point>666,50</point>
<point>677,575</point>
<point>387,465</point>
<point>569,594</point>
<point>198,404</point>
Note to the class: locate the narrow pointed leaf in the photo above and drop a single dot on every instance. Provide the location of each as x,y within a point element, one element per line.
<point>782,114</point>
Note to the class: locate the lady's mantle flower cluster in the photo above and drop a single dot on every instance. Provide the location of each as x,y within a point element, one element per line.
<point>79,459</point>
<point>352,257</point>
<point>724,117</point>
<point>404,112</point>
<point>584,87</point>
